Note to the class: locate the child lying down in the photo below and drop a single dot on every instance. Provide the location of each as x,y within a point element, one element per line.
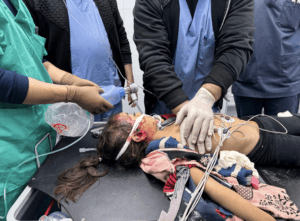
<point>126,137</point>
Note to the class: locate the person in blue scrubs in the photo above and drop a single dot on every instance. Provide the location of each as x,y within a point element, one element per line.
<point>86,38</point>
<point>191,52</point>
<point>271,81</point>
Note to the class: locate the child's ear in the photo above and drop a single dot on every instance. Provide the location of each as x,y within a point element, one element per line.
<point>139,136</point>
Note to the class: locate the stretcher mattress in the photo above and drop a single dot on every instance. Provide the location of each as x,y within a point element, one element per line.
<point>129,194</point>
<point>120,195</point>
<point>284,177</point>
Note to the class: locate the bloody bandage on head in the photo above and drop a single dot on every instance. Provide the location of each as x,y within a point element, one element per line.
<point>125,146</point>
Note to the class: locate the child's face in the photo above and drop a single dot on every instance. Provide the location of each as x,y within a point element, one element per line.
<point>148,126</point>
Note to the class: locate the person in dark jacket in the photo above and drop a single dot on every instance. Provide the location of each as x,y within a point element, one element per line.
<point>191,52</point>
<point>87,39</point>
<point>271,80</point>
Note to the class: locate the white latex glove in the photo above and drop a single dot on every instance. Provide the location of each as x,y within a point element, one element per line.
<point>196,121</point>
<point>182,139</point>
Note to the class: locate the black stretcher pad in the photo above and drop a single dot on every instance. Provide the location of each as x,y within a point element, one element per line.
<point>120,195</point>
<point>284,177</point>
<point>129,194</point>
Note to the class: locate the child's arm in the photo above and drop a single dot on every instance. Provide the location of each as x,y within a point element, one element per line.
<point>229,199</point>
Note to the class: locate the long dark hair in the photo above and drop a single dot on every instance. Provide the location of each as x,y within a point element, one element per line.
<point>73,182</point>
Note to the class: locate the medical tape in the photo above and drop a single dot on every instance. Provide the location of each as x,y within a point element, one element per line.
<point>125,146</point>
<point>158,120</point>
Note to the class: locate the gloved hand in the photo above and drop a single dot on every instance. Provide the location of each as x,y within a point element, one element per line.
<point>185,142</point>
<point>88,98</point>
<point>196,121</point>
<point>70,79</point>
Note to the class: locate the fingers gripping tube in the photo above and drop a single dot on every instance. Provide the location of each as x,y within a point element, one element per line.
<point>132,89</point>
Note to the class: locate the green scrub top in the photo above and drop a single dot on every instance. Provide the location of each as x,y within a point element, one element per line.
<point>21,126</point>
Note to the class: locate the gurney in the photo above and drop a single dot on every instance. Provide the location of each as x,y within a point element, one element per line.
<point>120,195</point>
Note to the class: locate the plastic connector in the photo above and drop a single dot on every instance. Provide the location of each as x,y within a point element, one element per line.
<point>83,150</point>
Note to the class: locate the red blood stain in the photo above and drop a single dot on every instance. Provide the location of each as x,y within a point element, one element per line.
<point>146,128</point>
<point>59,127</point>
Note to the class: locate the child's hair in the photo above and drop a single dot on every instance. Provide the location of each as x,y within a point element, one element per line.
<point>73,182</point>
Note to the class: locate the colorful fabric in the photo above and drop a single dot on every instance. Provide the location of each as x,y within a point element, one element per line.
<point>255,183</point>
<point>165,142</point>
<point>205,207</point>
<point>170,183</point>
<point>229,158</point>
<point>232,161</point>
<point>239,172</point>
<point>268,198</point>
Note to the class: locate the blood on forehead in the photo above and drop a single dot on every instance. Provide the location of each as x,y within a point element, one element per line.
<point>144,128</point>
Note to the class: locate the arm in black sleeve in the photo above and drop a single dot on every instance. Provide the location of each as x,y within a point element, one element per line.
<point>124,43</point>
<point>30,7</point>
<point>13,87</point>
<point>234,48</point>
<point>153,45</point>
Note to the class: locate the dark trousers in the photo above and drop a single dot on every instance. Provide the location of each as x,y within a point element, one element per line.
<point>246,106</point>
<point>277,149</point>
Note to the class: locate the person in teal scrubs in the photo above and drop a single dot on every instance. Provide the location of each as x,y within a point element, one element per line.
<point>22,115</point>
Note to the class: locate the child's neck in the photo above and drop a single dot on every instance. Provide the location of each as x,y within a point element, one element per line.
<point>172,130</point>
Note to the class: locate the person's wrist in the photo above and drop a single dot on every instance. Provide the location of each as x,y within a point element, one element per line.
<point>66,79</point>
<point>177,109</point>
<point>71,91</point>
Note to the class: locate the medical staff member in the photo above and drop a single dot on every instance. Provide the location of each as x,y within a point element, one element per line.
<point>85,40</point>
<point>191,51</point>
<point>26,84</point>
<point>271,80</point>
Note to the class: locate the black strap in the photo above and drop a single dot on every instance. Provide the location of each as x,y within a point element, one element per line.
<point>167,122</point>
<point>173,154</point>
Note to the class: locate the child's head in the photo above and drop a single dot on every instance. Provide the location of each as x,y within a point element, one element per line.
<point>73,182</point>
<point>114,136</point>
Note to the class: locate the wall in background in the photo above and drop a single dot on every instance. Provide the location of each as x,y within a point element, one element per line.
<point>126,8</point>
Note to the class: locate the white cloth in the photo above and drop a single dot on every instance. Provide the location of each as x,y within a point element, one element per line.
<point>284,114</point>
<point>229,158</point>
